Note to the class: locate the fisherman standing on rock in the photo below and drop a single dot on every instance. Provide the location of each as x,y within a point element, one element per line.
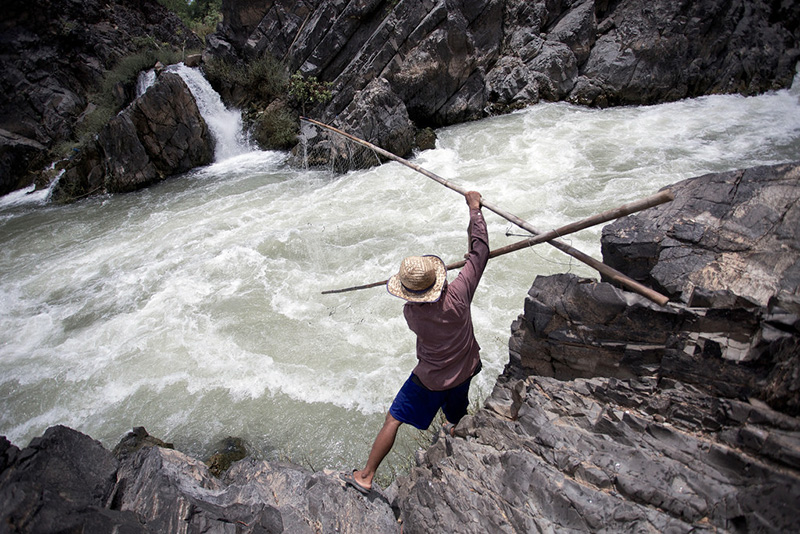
<point>448,353</point>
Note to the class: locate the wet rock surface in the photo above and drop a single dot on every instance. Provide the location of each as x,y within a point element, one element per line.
<point>160,134</point>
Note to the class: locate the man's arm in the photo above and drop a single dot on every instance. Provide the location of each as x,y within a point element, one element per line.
<point>467,280</point>
<point>474,203</point>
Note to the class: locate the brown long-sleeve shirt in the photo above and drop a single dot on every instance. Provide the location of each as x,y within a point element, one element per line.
<point>447,350</point>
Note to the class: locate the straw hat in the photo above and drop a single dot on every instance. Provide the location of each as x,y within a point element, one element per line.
<point>421,279</point>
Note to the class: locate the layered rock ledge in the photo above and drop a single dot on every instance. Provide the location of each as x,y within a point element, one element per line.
<point>613,414</point>
<point>440,62</point>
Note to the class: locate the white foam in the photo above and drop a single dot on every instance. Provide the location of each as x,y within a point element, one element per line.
<point>225,123</point>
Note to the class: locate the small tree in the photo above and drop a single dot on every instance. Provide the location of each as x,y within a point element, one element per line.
<point>309,90</point>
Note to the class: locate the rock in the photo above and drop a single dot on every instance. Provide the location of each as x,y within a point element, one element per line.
<point>618,415</point>
<point>137,439</point>
<point>54,54</point>
<point>67,482</point>
<point>167,488</point>
<point>387,125</point>
<point>160,134</point>
<point>60,483</point>
<point>227,451</point>
<point>725,236</point>
<point>450,62</point>
<point>594,455</point>
<point>17,155</point>
<point>193,60</point>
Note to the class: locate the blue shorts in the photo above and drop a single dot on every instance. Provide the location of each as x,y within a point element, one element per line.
<point>417,405</point>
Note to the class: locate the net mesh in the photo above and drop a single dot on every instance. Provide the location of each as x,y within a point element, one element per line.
<point>320,148</point>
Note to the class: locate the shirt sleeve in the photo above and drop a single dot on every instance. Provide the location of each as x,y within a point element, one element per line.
<point>466,282</point>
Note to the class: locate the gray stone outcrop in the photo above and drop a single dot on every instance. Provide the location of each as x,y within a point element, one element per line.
<point>450,62</point>
<point>160,134</point>
<point>53,55</point>
<point>615,414</point>
<point>67,482</point>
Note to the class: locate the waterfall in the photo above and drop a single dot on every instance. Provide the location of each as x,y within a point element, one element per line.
<point>225,124</point>
<point>145,79</point>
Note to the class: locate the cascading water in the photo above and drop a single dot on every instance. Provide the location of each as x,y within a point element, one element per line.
<point>193,307</point>
<point>224,123</point>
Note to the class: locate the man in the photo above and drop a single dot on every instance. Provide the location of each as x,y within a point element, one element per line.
<point>448,353</point>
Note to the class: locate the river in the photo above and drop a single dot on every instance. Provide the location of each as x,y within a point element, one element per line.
<point>194,307</point>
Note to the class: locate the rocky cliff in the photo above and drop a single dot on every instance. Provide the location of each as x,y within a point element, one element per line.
<point>159,134</point>
<point>613,414</point>
<point>56,54</point>
<point>434,63</point>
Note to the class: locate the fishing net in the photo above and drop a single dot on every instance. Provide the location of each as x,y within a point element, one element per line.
<point>320,148</point>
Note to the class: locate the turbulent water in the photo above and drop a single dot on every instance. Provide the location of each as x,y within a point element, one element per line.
<point>193,308</point>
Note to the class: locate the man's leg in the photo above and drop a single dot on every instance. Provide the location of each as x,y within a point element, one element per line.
<point>456,406</point>
<point>380,448</point>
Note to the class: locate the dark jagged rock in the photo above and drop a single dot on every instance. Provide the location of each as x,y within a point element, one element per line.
<point>228,451</point>
<point>60,483</point>
<point>167,488</point>
<point>450,62</point>
<point>160,134</point>
<point>137,439</point>
<point>53,54</point>
<point>726,237</point>
<point>607,455</point>
<point>67,482</point>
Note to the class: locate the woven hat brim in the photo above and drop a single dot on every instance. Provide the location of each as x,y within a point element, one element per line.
<point>396,288</point>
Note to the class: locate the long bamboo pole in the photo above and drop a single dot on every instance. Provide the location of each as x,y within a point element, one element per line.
<point>600,218</point>
<point>605,270</point>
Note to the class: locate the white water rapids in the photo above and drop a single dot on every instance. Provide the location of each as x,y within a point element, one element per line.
<point>193,307</point>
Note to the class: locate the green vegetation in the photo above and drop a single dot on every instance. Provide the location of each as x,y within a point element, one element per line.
<point>269,97</point>
<point>261,80</point>
<point>308,90</point>
<point>114,92</point>
<point>201,16</point>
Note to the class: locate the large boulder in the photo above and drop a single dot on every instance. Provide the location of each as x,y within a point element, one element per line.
<point>53,54</point>
<point>61,482</point>
<point>160,134</point>
<point>608,455</point>
<point>725,236</point>
<point>67,482</point>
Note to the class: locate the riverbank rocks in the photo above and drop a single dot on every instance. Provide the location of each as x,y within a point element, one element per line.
<point>67,482</point>
<point>615,414</point>
<point>53,55</point>
<point>450,62</point>
<point>160,134</point>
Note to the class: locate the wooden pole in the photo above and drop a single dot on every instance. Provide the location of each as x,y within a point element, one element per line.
<point>602,268</point>
<point>600,218</point>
